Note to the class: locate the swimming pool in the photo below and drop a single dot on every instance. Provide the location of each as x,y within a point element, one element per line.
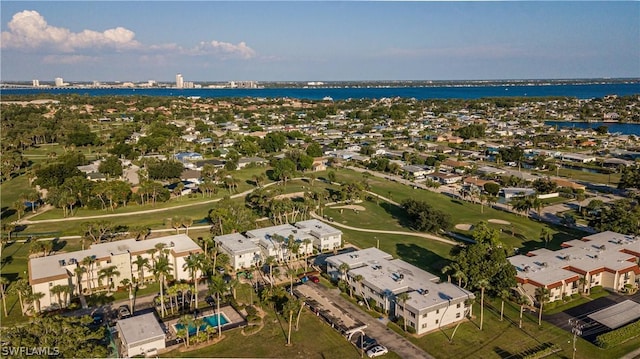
<point>209,321</point>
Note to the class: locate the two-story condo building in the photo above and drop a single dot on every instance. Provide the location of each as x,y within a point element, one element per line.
<point>256,245</point>
<point>606,259</point>
<point>47,272</point>
<point>375,275</point>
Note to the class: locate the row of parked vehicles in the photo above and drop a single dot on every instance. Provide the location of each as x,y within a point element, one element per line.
<point>372,347</point>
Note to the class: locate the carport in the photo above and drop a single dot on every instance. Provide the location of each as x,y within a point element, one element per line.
<point>617,315</point>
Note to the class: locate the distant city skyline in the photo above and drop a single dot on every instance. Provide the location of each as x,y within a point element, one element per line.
<point>317,41</point>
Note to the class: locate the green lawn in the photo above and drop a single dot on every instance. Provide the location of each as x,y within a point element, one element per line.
<point>522,232</point>
<point>315,339</point>
<point>504,339</point>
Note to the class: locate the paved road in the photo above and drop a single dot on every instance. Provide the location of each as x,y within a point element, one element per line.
<point>414,234</point>
<point>375,327</point>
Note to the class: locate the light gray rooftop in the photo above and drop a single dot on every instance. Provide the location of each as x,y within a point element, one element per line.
<point>140,328</point>
<point>602,250</point>
<point>54,265</point>
<point>237,243</point>
<point>265,235</point>
<point>318,228</point>
<point>368,256</point>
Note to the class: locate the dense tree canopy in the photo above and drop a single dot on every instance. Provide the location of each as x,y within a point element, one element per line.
<point>423,217</point>
<point>163,170</point>
<point>65,337</point>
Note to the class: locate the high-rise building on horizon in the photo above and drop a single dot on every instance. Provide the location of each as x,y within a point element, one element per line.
<point>179,81</point>
<point>36,83</point>
<point>59,81</point>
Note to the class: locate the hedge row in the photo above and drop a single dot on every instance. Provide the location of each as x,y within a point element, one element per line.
<point>618,336</point>
<point>543,353</point>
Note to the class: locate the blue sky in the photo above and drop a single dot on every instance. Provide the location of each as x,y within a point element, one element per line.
<point>318,41</point>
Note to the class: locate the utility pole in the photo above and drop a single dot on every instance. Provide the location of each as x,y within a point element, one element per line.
<point>576,329</point>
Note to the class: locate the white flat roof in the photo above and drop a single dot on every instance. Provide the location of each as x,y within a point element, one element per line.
<point>44,267</point>
<point>141,328</point>
<point>265,235</point>
<point>318,228</point>
<point>237,243</point>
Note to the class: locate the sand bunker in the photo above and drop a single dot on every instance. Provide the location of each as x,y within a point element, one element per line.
<point>351,206</point>
<point>498,221</point>
<point>464,226</point>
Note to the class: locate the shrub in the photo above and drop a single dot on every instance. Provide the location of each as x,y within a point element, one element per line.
<point>575,295</point>
<point>566,298</point>
<point>411,330</point>
<point>618,336</point>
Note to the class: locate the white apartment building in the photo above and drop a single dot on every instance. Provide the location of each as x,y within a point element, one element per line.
<point>606,259</point>
<point>432,304</point>
<point>47,272</point>
<point>255,246</point>
<point>325,237</point>
<point>36,83</point>
<point>59,81</point>
<point>179,81</point>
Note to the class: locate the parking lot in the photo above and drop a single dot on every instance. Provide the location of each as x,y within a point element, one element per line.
<point>330,301</point>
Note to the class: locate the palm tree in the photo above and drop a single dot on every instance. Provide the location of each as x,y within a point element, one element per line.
<point>306,242</point>
<point>198,322</point>
<point>358,279</point>
<point>217,288</point>
<point>483,284</point>
<point>186,223</point>
<point>344,268</point>
<point>35,298</point>
<point>160,270</point>
<point>129,284</point>
<point>403,297</point>
<point>88,262</point>
<point>22,289</point>
<point>109,273</point>
<point>290,307</point>
<point>503,294</point>
<point>186,321</point>
<point>193,263</point>
<point>4,282</point>
<point>291,273</point>
<point>542,295</point>
<point>270,261</point>
<point>546,236</point>
<point>140,263</point>
<point>521,300</point>
<point>79,271</point>
<point>184,334</point>
<point>57,290</point>
<point>456,272</point>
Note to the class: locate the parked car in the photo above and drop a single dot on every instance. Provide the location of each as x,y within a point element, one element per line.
<point>365,342</point>
<point>314,279</point>
<point>377,351</point>
<point>98,318</point>
<point>124,312</point>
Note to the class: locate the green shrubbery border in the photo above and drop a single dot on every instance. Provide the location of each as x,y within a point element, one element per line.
<point>618,336</point>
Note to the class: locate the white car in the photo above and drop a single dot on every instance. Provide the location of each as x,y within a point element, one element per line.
<point>377,351</point>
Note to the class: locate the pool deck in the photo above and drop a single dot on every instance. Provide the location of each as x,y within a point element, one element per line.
<point>231,314</point>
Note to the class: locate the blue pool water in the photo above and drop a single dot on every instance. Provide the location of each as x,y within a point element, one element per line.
<point>209,321</point>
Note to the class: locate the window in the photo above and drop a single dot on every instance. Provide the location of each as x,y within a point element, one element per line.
<point>424,315</point>
<point>458,315</point>
<point>458,305</point>
<point>424,325</point>
<point>412,315</point>
<point>437,321</point>
<point>437,311</point>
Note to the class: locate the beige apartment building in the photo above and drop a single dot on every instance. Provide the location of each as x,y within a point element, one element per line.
<point>60,269</point>
<point>606,259</point>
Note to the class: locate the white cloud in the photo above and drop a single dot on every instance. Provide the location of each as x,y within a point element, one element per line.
<point>223,48</point>
<point>29,30</point>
